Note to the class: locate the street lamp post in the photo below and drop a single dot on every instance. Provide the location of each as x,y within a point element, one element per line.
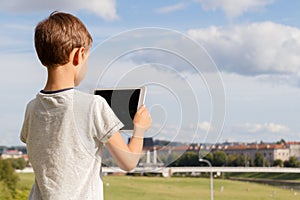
<point>211,178</point>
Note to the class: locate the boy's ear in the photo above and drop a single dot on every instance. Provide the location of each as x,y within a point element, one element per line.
<point>78,56</point>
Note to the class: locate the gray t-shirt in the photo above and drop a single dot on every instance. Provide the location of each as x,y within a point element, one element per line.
<point>65,133</point>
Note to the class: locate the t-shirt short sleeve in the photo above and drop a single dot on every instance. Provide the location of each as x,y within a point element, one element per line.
<point>106,122</point>
<point>25,127</point>
<point>24,130</point>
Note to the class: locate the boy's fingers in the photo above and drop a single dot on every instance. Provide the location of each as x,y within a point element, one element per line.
<point>145,112</point>
<point>141,109</point>
<point>142,118</point>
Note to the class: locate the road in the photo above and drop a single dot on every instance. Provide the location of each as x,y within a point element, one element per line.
<point>168,171</point>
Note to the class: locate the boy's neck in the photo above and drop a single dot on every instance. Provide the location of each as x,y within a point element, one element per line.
<point>60,78</point>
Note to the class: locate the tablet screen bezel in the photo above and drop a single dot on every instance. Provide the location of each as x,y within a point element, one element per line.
<point>141,101</point>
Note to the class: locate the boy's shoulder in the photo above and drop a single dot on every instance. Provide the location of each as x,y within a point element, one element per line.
<point>88,101</point>
<point>87,97</point>
<point>81,94</point>
<point>79,98</point>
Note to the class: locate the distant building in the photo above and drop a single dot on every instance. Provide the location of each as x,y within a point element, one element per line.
<point>11,154</point>
<point>294,148</point>
<point>270,152</point>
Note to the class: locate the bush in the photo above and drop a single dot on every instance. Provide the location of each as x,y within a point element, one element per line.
<point>4,192</point>
<point>8,176</point>
<point>278,163</point>
<point>18,163</point>
<point>292,162</point>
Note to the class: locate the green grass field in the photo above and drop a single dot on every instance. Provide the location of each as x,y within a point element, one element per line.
<point>158,188</point>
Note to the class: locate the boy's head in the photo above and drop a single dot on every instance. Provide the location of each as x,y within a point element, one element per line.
<point>56,37</point>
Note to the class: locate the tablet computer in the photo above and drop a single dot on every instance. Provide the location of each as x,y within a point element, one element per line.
<point>124,102</point>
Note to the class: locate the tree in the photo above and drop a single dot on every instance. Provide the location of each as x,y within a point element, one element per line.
<point>231,160</point>
<point>240,160</point>
<point>258,159</point>
<point>266,163</point>
<point>278,163</point>
<point>171,158</point>
<point>292,162</point>
<point>236,160</point>
<point>189,158</point>
<point>219,158</point>
<point>209,157</point>
<point>282,141</point>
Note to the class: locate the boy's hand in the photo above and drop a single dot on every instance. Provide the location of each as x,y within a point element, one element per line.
<point>142,118</point>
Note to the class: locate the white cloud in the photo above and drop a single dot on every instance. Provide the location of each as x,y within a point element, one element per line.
<point>171,8</point>
<point>104,8</point>
<point>267,127</point>
<point>257,48</point>
<point>205,126</point>
<point>234,8</point>
<point>267,132</point>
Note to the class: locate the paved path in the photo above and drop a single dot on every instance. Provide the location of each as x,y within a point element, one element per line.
<point>167,171</point>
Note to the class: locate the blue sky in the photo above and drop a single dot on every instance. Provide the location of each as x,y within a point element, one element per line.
<point>254,43</point>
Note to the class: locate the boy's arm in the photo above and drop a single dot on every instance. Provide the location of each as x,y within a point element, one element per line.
<point>127,156</point>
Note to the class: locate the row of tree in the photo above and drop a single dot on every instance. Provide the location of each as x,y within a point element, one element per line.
<point>219,158</point>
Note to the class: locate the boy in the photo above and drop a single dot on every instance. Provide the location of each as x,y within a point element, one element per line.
<point>64,129</point>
